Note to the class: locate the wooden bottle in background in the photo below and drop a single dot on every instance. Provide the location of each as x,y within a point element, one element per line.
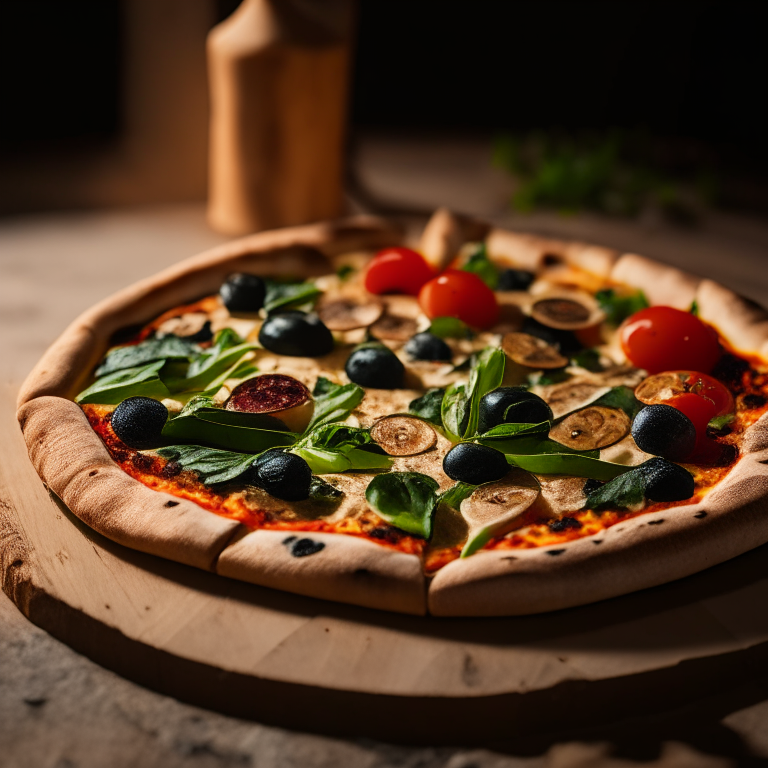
<point>278,75</point>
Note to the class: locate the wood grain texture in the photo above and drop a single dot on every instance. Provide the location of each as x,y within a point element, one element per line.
<point>252,651</point>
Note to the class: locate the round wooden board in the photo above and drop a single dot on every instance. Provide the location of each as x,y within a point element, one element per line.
<point>314,665</point>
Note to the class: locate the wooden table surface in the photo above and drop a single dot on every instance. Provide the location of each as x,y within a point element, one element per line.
<point>59,709</point>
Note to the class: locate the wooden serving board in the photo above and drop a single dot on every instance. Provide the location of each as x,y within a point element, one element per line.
<point>314,665</point>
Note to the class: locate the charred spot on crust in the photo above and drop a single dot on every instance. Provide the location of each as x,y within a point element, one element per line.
<point>728,455</point>
<point>551,259</point>
<point>730,369</point>
<point>142,462</point>
<point>306,547</point>
<point>656,522</point>
<point>753,401</point>
<point>700,515</point>
<point>555,551</point>
<point>289,540</point>
<point>564,524</point>
<point>597,541</point>
<point>169,504</point>
<point>362,573</point>
<point>125,335</point>
<point>93,473</point>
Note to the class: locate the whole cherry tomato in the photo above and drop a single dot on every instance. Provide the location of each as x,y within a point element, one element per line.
<point>460,294</point>
<point>397,270</point>
<point>664,338</point>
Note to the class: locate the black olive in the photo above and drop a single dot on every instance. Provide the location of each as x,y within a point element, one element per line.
<point>592,485</point>
<point>283,475</point>
<point>666,481</point>
<point>243,293</point>
<point>515,280</point>
<point>427,346</point>
<point>664,431</point>
<point>296,334</point>
<point>474,464</point>
<point>204,334</point>
<point>139,421</point>
<point>375,366</point>
<point>512,405</point>
<point>565,341</point>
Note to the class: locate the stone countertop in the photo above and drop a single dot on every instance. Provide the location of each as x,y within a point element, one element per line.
<point>59,709</point>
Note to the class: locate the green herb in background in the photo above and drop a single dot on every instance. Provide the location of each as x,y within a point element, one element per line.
<point>618,307</point>
<point>479,263</point>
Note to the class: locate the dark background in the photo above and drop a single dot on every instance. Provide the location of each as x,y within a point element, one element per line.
<point>691,76</point>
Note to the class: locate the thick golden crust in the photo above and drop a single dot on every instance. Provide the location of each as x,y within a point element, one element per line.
<point>661,283</point>
<point>70,457</point>
<point>641,552</point>
<point>744,324</point>
<point>346,569</point>
<point>445,233</point>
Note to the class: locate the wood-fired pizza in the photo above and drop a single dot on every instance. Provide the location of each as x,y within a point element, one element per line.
<point>488,423</point>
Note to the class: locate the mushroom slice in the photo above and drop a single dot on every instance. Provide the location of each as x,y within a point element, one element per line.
<point>567,312</point>
<point>403,435</point>
<point>659,388</point>
<point>346,313</point>
<point>590,428</point>
<point>571,395</point>
<point>494,508</point>
<point>394,328</point>
<point>531,351</point>
<point>560,495</point>
<point>277,395</point>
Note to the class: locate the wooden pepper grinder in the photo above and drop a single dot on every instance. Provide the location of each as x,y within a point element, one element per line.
<point>278,74</point>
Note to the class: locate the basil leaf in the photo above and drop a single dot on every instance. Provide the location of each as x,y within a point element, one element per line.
<point>213,365</point>
<point>241,370</point>
<point>567,464</point>
<point>280,294</point>
<point>323,462</point>
<point>456,494</point>
<point>428,406</point>
<point>337,437</point>
<point>246,432</point>
<point>454,411</point>
<point>618,308</point>
<point>486,375</point>
<point>213,466</point>
<point>115,387</point>
<point>694,309</point>
<point>361,459</point>
<point>406,500</point>
<point>450,328</point>
<point>623,398</point>
<point>344,272</point>
<point>479,263</point>
<point>324,493</point>
<point>502,431</point>
<point>625,491</point>
<point>149,351</point>
<point>333,402</point>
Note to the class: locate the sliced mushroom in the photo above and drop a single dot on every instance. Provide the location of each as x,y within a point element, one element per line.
<point>571,395</point>
<point>531,352</point>
<point>590,428</point>
<point>567,312</point>
<point>403,435</point>
<point>559,495</point>
<point>188,325</point>
<point>277,395</point>
<point>661,387</point>
<point>394,328</point>
<point>347,314</point>
<point>495,508</point>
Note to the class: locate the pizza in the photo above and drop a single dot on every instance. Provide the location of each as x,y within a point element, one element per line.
<point>486,423</point>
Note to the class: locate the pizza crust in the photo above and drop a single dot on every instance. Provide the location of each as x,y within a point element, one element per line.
<point>641,552</point>
<point>346,569</point>
<point>635,554</point>
<point>77,467</point>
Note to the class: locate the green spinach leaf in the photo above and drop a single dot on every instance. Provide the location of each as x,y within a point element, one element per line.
<point>567,464</point>
<point>486,375</point>
<point>142,381</point>
<point>622,398</point>
<point>479,263</point>
<point>406,500</point>
<point>279,294</point>
<point>429,406</point>
<point>333,402</point>
<point>456,494</point>
<point>624,491</point>
<point>149,351</point>
<point>617,307</point>
<point>212,465</point>
<point>504,431</point>
<point>454,411</point>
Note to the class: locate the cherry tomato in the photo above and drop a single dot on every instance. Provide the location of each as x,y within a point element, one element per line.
<point>664,338</point>
<point>397,270</point>
<point>460,294</point>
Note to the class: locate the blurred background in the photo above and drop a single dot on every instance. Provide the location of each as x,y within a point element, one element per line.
<point>622,108</point>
